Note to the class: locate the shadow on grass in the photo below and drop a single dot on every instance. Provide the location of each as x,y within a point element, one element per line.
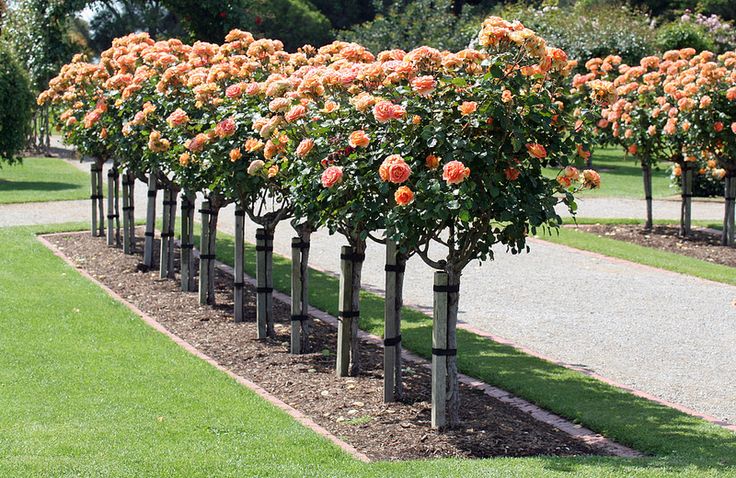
<point>671,438</point>
<point>41,186</point>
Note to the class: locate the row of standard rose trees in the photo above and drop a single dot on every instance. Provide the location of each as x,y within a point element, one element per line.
<point>432,153</point>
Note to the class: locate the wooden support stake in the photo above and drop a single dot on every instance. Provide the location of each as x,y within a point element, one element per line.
<point>687,198</point>
<point>727,237</point>
<point>163,258</point>
<point>392,380</point>
<point>170,232</point>
<point>344,325</point>
<point>264,283</point>
<point>238,273</point>
<point>93,195</point>
<point>116,202</point>
<point>187,242</point>
<point>439,342</point>
<point>204,246</point>
<point>647,176</point>
<point>212,248</point>
<point>100,203</point>
<point>300,322</point>
<point>111,207</point>
<point>150,220</point>
<point>127,249</point>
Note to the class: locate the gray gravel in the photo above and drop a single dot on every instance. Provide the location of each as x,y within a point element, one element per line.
<point>667,334</point>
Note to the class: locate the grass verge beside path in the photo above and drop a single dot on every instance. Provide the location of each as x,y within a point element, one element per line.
<point>641,254</point>
<point>89,390</point>
<point>42,179</point>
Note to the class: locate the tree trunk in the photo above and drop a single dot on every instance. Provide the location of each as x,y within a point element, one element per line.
<point>111,195</point>
<point>445,384</point>
<point>264,282</point>
<point>207,254</point>
<point>395,267</point>
<point>238,265</point>
<point>647,176</point>
<point>727,238</point>
<point>150,220</point>
<point>128,228</point>
<point>300,322</point>
<point>100,203</point>
<point>166,259</point>
<point>187,242</point>
<point>348,350</point>
<point>93,196</point>
<point>687,197</point>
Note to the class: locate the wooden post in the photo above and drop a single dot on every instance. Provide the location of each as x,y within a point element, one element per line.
<point>170,232</point>
<point>212,251</point>
<point>111,206</point>
<point>204,253</point>
<point>392,380</point>
<point>150,220</point>
<point>687,197</point>
<point>127,249</point>
<point>264,282</point>
<point>345,313</point>
<point>100,204</point>
<point>187,242</point>
<point>238,274</point>
<point>163,258</point>
<point>647,176</point>
<point>727,237</point>
<point>445,383</point>
<point>300,292</point>
<point>116,202</point>
<point>93,195</point>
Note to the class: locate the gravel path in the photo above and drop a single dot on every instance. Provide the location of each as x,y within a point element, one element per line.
<point>666,334</point>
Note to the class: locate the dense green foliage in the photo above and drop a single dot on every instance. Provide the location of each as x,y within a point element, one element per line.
<point>16,101</point>
<point>678,34</point>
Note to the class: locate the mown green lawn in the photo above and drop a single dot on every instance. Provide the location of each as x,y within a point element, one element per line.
<point>621,177</point>
<point>670,261</point>
<point>90,390</point>
<point>42,179</point>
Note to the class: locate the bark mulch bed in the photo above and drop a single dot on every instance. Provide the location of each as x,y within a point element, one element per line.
<point>700,244</point>
<point>351,408</point>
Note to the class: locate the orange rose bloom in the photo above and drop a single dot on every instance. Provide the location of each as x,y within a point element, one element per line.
<point>330,106</point>
<point>468,107</point>
<point>225,128</point>
<point>512,174</point>
<point>536,150</point>
<point>331,176</point>
<point>235,154</point>
<point>295,113</point>
<point>591,179</point>
<point>385,111</point>
<point>432,161</point>
<point>177,118</point>
<point>404,196</point>
<point>394,169</point>
<point>424,85</point>
<point>582,152</point>
<point>273,170</point>
<point>304,147</point>
<point>184,159</point>
<point>718,126</point>
<point>455,172</point>
<point>416,119</point>
<point>633,149</point>
<point>358,139</point>
<point>252,145</point>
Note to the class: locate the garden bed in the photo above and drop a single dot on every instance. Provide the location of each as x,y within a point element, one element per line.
<point>351,408</point>
<point>701,244</point>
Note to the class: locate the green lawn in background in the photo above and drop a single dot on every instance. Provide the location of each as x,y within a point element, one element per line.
<point>569,236</point>
<point>90,390</point>
<point>621,177</point>
<point>42,179</point>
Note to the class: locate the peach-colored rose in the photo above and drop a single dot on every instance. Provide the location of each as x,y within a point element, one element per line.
<point>512,174</point>
<point>571,172</point>
<point>632,149</point>
<point>468,107</point>
<point>331,176</point>
<point>304,147</point>
<point>103,133</point>
<point>197,144</point>
<point>330,106</point>
<point>455,172</point>
<point>403,196</point>
<point>506,96</point>
<point>591,179</point>
<point>255,167</point>
<point>234,91</point>
<point>184,159</point>
<point>733,127</point>
<point>416,119</point>
<point>385,111</point>
<point>252,145</point>
<point>536,150</point>
<point>582,152</point>
<point>295,113</point>
<point>235,154</point>
<point>177,118</point>
<point>156,143</point>
<point>273,171</point>
<point>226,128</point>
<point>394,169</point>
<point>564,181</point>
<point>358,139</point>
<point>432,161</point>
<point>424,85</point>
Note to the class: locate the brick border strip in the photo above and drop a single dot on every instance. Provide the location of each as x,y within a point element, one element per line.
<point>261,392</point>
<point>576,431</point>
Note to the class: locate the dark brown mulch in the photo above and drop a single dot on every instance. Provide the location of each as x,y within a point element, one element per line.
<point>351,408</point>
<point>700,244</point>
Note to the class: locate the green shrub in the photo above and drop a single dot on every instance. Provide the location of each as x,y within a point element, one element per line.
<point>679,34</point>
<point>16,103</point>
<point>589,29</point>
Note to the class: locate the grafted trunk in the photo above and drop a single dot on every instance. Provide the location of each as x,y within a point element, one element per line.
<point>646,170</point>
<point>445,384</point>
<point>187,242</point>
<point>727,238</point>
<point>395,267</point>
<point>264,282</point>
<point>300,322</point>
<point>348,351</point>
